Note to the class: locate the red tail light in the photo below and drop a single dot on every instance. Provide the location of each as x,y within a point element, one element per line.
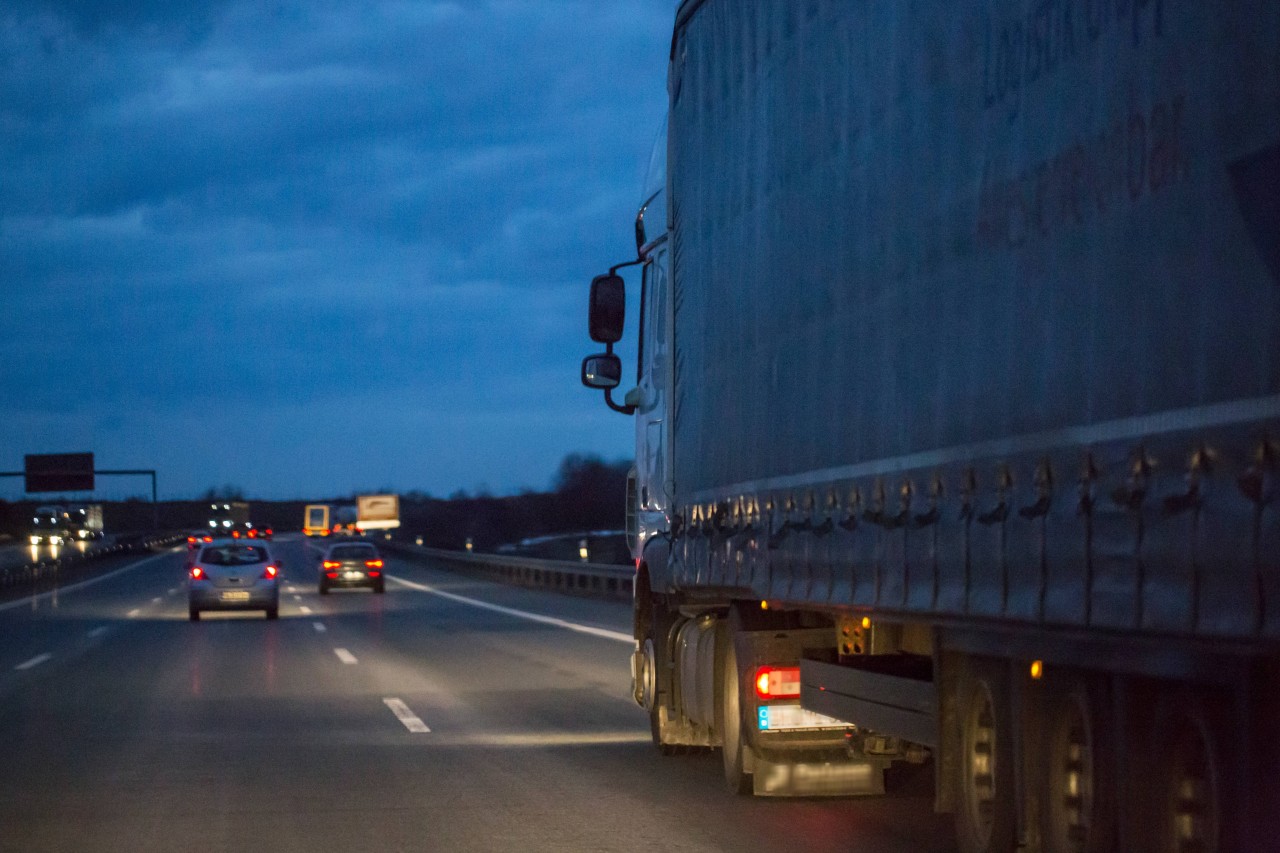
<point>331,575</point>
<point>331,564</point>
<point>778,682</point>
<point>208,538</point>
<point>235,534</point>
<point>253,534</point>
<point>373,564</point>
<point>271,571</point>
<point>198,573</point>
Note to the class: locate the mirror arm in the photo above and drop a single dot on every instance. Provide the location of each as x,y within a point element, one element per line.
<point>613,270</point>
<point>608,392</point>
<point>608,398</point>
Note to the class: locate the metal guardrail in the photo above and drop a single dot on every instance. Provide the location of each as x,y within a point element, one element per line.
<point>73,561</point>
<point>594,580</point>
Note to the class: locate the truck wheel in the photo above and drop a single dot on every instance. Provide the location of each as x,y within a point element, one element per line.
<point>1078,810</point>
<point>650,678</point>
<point>985,820</point>
<point>1190,780</point>
<point>729,714</point>
<point>193,614</point>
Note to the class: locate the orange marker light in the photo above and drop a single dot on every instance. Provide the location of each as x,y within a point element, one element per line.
<point>1037,670</point>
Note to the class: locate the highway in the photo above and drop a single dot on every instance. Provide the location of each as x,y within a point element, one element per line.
<point>449,714</point>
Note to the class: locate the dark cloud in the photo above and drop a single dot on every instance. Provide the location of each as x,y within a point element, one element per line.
<point>257,204</point>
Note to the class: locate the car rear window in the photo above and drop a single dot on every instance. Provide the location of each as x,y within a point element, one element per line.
<point>354,552</point>
<point>233,555</point>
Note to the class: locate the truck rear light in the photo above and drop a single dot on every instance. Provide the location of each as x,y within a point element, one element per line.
<point>373,564</point>
<point>198,573</point>
<point>778,682</point>
<point>271,571</point>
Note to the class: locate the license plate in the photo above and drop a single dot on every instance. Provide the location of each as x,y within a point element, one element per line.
<point>236,595</point>
<point>353,575</point>
<point>777,718</point>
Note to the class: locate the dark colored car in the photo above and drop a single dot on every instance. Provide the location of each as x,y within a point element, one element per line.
<point>351,564</point>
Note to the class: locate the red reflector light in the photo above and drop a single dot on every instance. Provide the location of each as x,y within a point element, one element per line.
<point>331,564</point>
<point>373,564</point>
<point>198,573</point>
<point>271,572</point>
<point>773,682</point>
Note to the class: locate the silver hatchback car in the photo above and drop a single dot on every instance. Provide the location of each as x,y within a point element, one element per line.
<point>234,574</point>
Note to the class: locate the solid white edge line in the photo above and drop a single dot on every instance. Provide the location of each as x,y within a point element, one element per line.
<point>617,636</point>
<point>34,662</point>
<point>26,602</point>
<point>99,631</point>
<point>345,656</point>
<point>411,721</point>
<point>155,601</point>
<point>319,626</point>
<point>135,611</point>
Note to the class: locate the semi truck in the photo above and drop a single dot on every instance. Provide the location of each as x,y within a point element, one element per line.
<point>957,411</point>
<point>50,525</point>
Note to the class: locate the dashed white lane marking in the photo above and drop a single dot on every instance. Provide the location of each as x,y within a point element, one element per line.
<point>304,610</point>
<point>98,632</point>
<point>411,721</point>
<point>297,598</point>
<point>173,591</point>
<point>521,614</point>
<point>34,662</point>
<point>345,656</point>
<point>319,626</point>
<point>155,600</point>
<point>135,611</point>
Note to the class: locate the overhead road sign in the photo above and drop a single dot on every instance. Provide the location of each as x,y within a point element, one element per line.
<point>59,472</point>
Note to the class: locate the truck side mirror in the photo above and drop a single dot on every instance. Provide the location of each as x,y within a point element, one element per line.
<point>607,309</point>
<point>602,371</point>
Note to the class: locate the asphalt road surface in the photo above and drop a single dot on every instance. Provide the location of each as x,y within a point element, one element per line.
<point>448,714</point>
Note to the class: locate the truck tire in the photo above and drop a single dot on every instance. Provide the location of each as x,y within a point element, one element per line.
<point>651,678</point>
<point>729,712</point>
<point>985,817</point>
<point>1190,780</point>
<point>1077,773</point>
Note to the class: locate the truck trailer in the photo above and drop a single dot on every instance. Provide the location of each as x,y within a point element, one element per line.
<point>957,411</point>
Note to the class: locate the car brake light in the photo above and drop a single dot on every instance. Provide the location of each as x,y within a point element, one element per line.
<point>331,564</point>
<point>331,575</point>
<point>235,534</point>
<point>778,682</point>
<point>253,534</point>
<point>198,573</point>
<point>373,564</point>
<point>208,538</point>
<point>271,572</point>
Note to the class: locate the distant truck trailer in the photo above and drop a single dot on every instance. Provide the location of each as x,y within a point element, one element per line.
<point>377,512</point>
<point>85,522</point>
<point>315,520</point>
